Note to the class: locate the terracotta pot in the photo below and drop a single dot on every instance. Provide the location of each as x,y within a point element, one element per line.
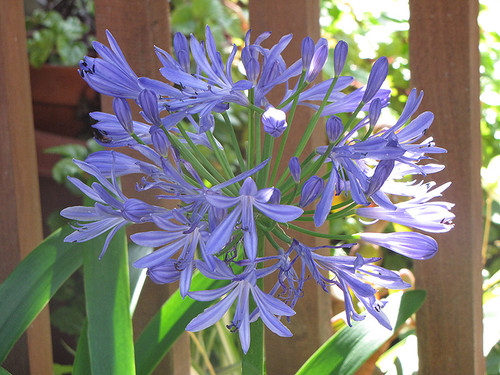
<point>62,101</point>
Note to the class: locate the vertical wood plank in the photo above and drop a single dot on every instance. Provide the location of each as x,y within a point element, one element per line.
<point>310,326</point>
<point>20,213</point>
<point>138,26</point>
<point>444,60</point>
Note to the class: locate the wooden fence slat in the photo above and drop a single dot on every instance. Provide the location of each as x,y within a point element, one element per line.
<point>310,326</point>
<point>137,26</point>
<point>444,59</point>
<point>20,214</point>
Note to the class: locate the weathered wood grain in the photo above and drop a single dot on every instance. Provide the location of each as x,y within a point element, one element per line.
<point>20,214</point>
<point>444,60</point>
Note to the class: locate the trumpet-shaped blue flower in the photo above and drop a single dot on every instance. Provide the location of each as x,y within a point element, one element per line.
<point>351,274</point>
<point>411,244</point>
<point>171,239</point>
<point>111,211</point>
<point>419,212</point>
<point>240,288</point>
<point>249,198</point>
<point>110,75</point>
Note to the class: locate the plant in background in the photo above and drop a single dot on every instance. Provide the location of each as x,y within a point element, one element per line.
<point>226,213</point>
<point>60,33</point>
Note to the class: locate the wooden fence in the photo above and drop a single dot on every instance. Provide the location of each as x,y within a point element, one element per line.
<point>445,64</point>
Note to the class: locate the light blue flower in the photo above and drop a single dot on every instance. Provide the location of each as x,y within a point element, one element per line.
<point>240,288</point>
<point>249,198</point>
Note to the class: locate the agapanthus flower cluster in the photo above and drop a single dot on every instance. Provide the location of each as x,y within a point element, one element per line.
<point>227,212</point>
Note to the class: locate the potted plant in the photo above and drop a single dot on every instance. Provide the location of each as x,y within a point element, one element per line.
<point>58,35</point>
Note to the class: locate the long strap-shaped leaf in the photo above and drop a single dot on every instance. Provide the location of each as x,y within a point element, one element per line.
<point>31,285</point>
<point>81,365</point>
<point>345,352</point>
<point>107,296</point>
<point>168,324</point>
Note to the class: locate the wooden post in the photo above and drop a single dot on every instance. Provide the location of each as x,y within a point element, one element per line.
<point>20,213</point>
<point>444,60</point>
<point>138,26</point>
<point>310,326</point>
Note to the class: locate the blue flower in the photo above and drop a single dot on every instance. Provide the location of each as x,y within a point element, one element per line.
<point>110,75</point>
<point>240,288</point>
<point>111,211</point>
<point>248,199</point>
<point>351,274</point>
<point>171,239</point>
<point>410,244</point>
<point>274,121</point>
<point>419,212</point>
<point>197,93</point>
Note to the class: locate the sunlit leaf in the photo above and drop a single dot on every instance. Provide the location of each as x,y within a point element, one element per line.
<point>345,352</point>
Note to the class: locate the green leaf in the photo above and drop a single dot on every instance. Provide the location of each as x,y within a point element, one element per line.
<point>67,319</point>
<point>76,151</point>
<point>64,168</point>
<point>137,275</point>
<point>62,369</point>
<point>4,372</point>
<point>107,294</point>
<point>34,281</point>
<point>168,324</point>
<point>81,365</point>
<point>347,350</point>
<point>40,46</point>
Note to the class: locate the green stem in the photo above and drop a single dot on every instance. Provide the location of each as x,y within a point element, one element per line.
<point>220,155</point>
<point>295,98</point>
<point>321,235</point>
<point>262,176</point>
<point>136,137</point>
<point>188,155</point>
<point>272,241</point>
<point>258,140</point>
<point>234,140</point>
<point>302,85</point>
<point>487,225</point>
<point>280,233</point>
<point>202,158</point>
<point>253,362</point>
<point>310,128</point>
<point>254,108</point>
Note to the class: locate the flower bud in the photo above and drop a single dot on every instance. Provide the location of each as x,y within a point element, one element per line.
<point>377,76</point>
<point>374,111</point>
<point>207,123</point>
<point>148,101</point>
<point>294,166</point>
<point>307,52</point>
<point>339,57</point>
<point>380,175</point>
<point>252,68</point>
<point>334,128</point>
<point>160,140</point>
<point>317,62</point>
<point>311,190</point>
<point>124,114</point>
<point>274,121</point>
<point>181,48</point>
<point>410,244</point>
<point>275,196</point>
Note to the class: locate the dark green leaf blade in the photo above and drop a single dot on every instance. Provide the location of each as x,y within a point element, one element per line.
<point>31,285</point>
<point>168,324</point>
<point>347,350</point>
<point>107,295</point>
<point>81,364</point>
